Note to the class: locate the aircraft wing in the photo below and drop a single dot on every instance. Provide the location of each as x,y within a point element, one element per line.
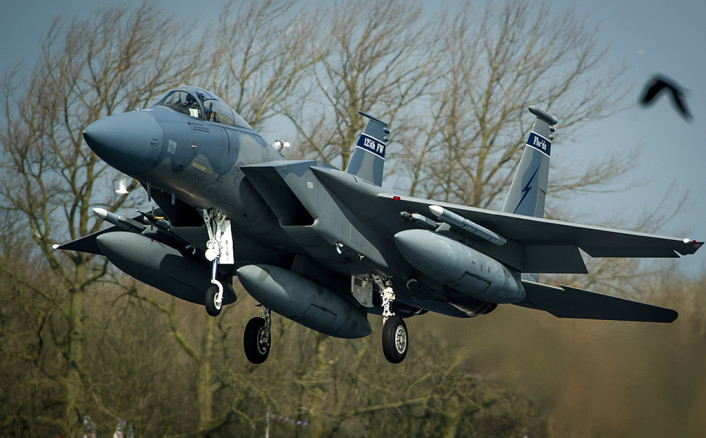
<point>536,234</point>
<point>535,245</point>
<point>526,230</point>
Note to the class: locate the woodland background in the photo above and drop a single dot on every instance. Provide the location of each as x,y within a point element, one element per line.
<point>79,338</point>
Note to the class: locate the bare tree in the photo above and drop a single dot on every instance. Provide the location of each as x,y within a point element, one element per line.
<point>454,90</point>
<point>116,60</point>
<point>496,63</point>
<point>203,339</point>
<point>372,56</point>
<point>258,57</point>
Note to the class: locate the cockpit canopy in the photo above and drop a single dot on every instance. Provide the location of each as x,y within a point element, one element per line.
<point>201,104</point>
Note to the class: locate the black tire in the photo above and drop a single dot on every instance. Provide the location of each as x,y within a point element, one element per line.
<point>255,341</point>
<point>395,340</point>
<point>212,308</point>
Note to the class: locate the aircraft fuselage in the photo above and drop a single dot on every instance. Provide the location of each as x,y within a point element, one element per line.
<point>278,212</point>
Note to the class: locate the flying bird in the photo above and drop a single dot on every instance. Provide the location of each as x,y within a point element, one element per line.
<point>659,84</point>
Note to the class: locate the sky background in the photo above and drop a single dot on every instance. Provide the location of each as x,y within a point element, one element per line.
<point>649,36</point>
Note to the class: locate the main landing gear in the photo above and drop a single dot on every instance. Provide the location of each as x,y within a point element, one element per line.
<point>257,338</point>
<point>395,340</point>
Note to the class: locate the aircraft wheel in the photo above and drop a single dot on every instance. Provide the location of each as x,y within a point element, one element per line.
<point>213,306</point>
<point>256,341</point>
<point>394,339</point>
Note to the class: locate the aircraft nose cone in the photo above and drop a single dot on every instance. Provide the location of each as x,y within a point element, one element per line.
<point>130,142</point>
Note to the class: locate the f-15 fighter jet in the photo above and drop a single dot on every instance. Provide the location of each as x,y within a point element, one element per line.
<point>326,247</point>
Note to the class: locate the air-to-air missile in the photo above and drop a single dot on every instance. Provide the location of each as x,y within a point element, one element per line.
<point>122,222</point>
<point>467,226</point>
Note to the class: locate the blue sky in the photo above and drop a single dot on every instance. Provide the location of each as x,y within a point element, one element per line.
<point>668,38</point>
<point>649,36</point>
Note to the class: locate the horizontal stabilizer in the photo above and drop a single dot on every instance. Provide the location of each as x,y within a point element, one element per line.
<point>570,302</point>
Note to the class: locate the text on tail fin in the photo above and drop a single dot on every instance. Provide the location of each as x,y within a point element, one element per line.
<point>529,185</point>
<point>368,158</point>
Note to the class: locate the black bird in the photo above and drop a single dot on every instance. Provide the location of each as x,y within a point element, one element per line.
<point>659,83</point>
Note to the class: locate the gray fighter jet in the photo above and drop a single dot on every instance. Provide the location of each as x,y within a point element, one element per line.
<point>326,247</point>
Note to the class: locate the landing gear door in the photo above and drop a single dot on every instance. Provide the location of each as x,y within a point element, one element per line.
<point>362,290</point>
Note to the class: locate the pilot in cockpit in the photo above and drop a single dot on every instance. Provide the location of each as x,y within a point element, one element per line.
<point>192,106</point>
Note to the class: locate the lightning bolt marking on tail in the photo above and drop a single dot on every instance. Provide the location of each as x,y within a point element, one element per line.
<point>526,189</point>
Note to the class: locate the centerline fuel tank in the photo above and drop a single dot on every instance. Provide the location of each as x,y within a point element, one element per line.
<point>304,301</point>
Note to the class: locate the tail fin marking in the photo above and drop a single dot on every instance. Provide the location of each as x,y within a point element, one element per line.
<point>368,158</point>
<point>529,185</point>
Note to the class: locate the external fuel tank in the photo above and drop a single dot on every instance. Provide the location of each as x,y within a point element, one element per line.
<point>460,267</point>
<point>304,301</point>
<point>161,266</point>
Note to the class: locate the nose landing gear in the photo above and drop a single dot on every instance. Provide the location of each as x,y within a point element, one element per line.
<point>219,251</point>
<point>214,298</point>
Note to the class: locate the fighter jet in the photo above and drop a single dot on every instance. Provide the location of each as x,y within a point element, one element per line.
<point>328,247</point>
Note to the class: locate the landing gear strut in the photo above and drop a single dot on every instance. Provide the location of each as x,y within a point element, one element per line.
<point>256,339</point>
<point>395,340</point>
<point>219,250</point>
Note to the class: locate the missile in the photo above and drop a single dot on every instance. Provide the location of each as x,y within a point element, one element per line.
<point>420,219</point>
<point>304,301</point>
<point>467,225</point>
<point>162,266</point>
<point>122,222</point>
<point>460,267</point>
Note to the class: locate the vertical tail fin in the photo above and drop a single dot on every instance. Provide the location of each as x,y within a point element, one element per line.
<point>529,186</point>
<point>368,159</point>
